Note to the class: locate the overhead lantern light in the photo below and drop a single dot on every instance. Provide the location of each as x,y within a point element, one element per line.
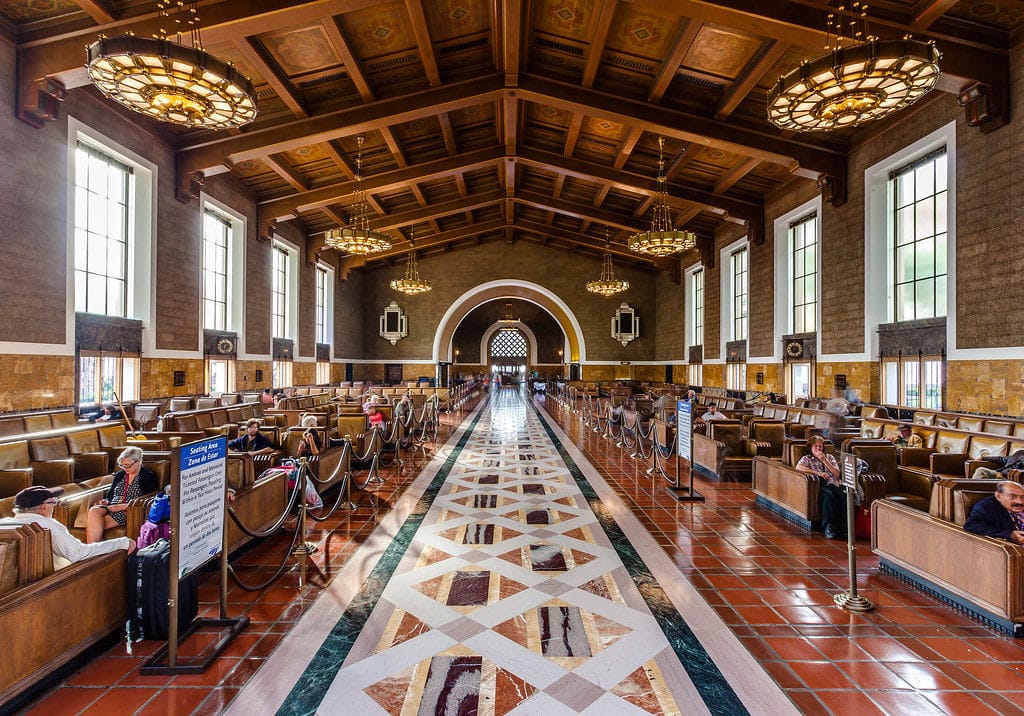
<point>859,78</point>
<point>411,283</point>
<point>359,238</point>
<point>607,285</point>
<point>169,80</point>
<point>663,239</point>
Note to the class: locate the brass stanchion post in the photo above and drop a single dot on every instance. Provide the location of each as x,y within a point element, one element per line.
<point>851,600</point>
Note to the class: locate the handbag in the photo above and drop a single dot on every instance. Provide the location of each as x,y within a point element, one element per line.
<point>862,522</point>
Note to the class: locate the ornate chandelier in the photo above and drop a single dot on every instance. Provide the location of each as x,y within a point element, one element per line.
<point>171,81</point>
<point>607,285</point>
<point>663,239</point>
<point>859,78</point>
<point>359,238</point>
<point>411,283</point>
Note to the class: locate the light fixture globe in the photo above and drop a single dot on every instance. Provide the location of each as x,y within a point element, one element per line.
<point>607,285</point>
<point>171,82</point>
<point>662,239</point>
<point>411,283</point>
<point>850,86</point>
<point>358,238</point>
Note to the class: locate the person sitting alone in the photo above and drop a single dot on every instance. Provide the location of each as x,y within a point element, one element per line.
<point>131,481</point>
<point>266,397</point>
<point>712,414</point>
<point>905,437</point>
<point>310,444</point>
<point>374,415</point>
<point>109,414</point>
<point>999,466</point>
<point>252,441</point>
<point>35,504</point>
<point>403,407</point>
<point>1001,515</point>
<point>832,494</point>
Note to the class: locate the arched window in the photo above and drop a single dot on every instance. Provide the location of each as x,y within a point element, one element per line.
<point>508,344</point>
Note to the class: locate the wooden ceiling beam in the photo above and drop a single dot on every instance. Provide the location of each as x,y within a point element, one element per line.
<point>573,136</point>
<point>99,10</point>
<point>347,263</point>
<point>289,206</point>
<point>736,174</point>
<point>605,14</point>
<point>681,160</point>
<point>668,69</point>
<point>685,215</point>
<point>510,121</point>
<point>348,58</point>
<point>339,158</point>
<point>460,183</point>
<point>334,215</point>
<point>602,194</point>
<point>286,171</point>
<point>509,179</point>
<point>643,206</point>
<point>511,39</point>
<point>448,133</point>
<point>423,42</point>
<point>394,147</point>
<point>748,79</point>
<point>256,55</point>
<point>434,211</point>
<point>341,123</point>
<point>627,147</point>
<point>766,145</point>
<point>579,211</point>
<point>928,11</point>
<point>637,184</point>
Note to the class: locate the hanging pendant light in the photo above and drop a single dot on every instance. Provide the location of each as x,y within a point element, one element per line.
<point>859,78</point>
<point>607,285</point>
<point>411,283</point>
<point>358,238</point>
<point>169,80</point>
<point>663,239</point>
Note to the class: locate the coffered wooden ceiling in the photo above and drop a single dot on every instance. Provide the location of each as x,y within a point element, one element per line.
<point>511,120</point>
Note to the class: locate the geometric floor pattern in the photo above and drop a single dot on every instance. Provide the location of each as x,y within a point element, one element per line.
<point>505,595</point>
<point>515,600</point>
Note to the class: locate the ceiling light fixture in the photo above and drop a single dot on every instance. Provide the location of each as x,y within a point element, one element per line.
<point>169,80</point>
<point>859,78</point>
<point>359,238</point>
<point>662,239</point>
<point>607,285</point>
<point>411,283</point>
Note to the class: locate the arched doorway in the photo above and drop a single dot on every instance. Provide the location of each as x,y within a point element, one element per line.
<point>507,356</point>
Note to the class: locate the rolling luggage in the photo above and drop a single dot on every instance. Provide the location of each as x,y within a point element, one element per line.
<point>148,585</point>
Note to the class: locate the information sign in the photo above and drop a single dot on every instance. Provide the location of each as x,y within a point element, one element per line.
<point>201,497</point>
<point>849,470</point>
<point>684,429</point>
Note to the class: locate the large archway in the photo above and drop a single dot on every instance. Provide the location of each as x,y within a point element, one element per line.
<point>508,288</point>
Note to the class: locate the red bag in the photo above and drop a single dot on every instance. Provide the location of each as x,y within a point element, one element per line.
<point>862,523</point>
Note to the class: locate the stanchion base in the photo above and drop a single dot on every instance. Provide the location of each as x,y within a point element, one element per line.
<point>304,549</point>
<point>683,494</point>
<point>852,603</point>
<point>157,664</point>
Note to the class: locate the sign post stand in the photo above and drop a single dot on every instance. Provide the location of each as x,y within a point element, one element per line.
<point>684,450</point>
<point>851,600</point>
<point>198,535</point>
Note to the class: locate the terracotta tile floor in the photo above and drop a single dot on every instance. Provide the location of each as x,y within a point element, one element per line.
<point>771,582</point>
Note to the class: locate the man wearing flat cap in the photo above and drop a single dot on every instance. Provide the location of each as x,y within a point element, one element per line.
<point>35,504</point>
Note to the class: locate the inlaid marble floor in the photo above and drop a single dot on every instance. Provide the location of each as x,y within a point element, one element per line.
<point>510,580</point>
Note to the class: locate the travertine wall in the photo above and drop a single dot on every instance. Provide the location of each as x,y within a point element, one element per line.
<point>36,381</point>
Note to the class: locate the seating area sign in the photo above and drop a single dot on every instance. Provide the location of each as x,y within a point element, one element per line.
<point>684,429</point>
<point>201,498</point>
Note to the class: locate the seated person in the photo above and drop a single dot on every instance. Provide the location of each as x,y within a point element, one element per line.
<point>375,416</point>
<point>832,494</point>
<point>712,414</point>
<point>905,437</point>
<point>837,403</point>
<point>403,407</point>
<point>131,481</point>
<point>109,413</point>
<point>252,441</point>
<point>310,444</point>
<point>851,395</point>
<point>374,399</point>
<point>1001,466</point>
<point>35,504</point>
<point>266,397</point>
<point>1001,515</point>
